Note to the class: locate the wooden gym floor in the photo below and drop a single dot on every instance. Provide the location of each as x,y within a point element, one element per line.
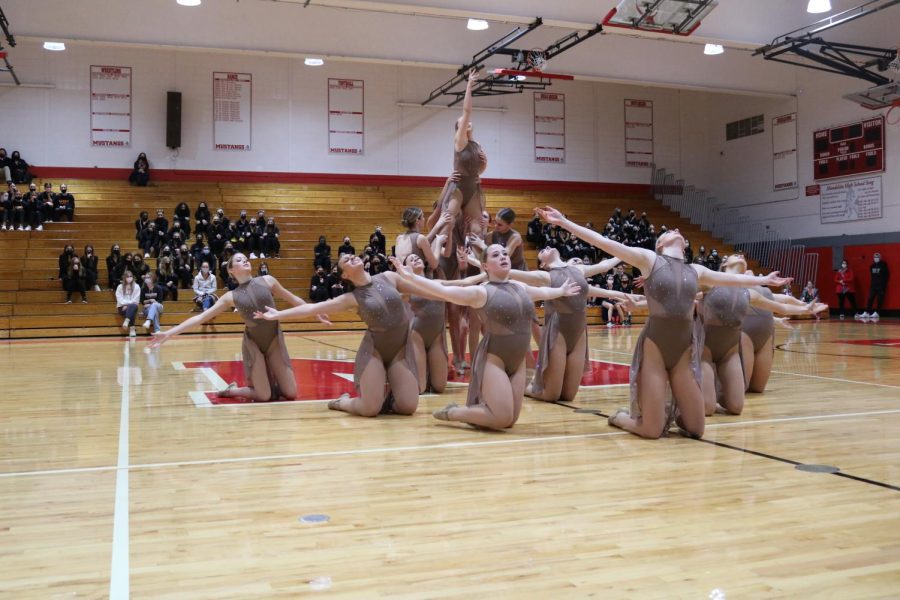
<point>116,480</point>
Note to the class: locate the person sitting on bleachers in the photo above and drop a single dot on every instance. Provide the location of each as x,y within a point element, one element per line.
<point>140,175</point>
<point>216,237</point>
<point>32,209</point>
<point>318,286</point>
<point>47,203</point>
<point>183,263</point>
<point>202,219</point>
<point>183,214</point>
<point>376,240</point>
<point>688,252</point>
<point>714,261</point>
<point>235,237</point>
<point>223,258</point>
<point>161,222</point>
<point>114,266</point>
<point>175,239</point>
<point>5,168</point>
<point>322,254</point>
<point>90,261</point>
<point>269,239</point>
<point>76,280</point>
<point>220,214</point>
<point>18,169</point>
<point>149,240</point>
<point>263,269</point>
<point>205,287</point>
<point>176,228</point>
<point>64,205</point>
<point>140,224</point>
<point>128,298</point>
<point>242,222</point>
<point>64,260</point>
<point>701,257</point>
<point>17,208</point>
<point>152,297</point>
<point>252,237</point>
<point>346,247</point>
<point>335,283</point>
<point>534,233</point>
<point>5,210</point>
<point>138,266</point>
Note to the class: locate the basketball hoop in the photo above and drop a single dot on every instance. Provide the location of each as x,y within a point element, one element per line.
<point>537,59</point>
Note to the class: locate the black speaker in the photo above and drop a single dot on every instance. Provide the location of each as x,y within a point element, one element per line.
<point>173,119</point>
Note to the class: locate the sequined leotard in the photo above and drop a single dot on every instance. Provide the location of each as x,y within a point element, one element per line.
<point>263,339</point>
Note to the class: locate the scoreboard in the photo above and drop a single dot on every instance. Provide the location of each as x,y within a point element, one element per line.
<point>853,149</point>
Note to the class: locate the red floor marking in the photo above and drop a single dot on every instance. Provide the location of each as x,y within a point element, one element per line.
<point>888,342</point>
<point>319,380</point>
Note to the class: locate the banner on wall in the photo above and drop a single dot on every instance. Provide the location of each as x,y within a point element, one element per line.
<point>110,106</point>
<point>346,116</point>
<point>549,127</point>
<point>784,152</point>
<point>232,110</point>
<point>638,133</point>
<point>854,200</point>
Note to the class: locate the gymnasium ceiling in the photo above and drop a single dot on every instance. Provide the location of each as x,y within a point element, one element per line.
<point>423,32</point>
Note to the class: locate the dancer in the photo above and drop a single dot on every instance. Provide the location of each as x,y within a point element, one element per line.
<point>509,238</point>
<point>723,309</point>
<point>385,355</point>
<point>267,366</point>
<point>669,347</point>
<point>427,335</point>
<point>498,369</point>
<point>413,242</point>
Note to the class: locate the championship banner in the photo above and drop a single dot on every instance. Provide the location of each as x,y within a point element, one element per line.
<point>638,133</point>
<point>346,116</point>
<point>549,127</point>
<point>855,200</point>
<point>232,110</point>
<point>110,106</point>
<point>784,152</point>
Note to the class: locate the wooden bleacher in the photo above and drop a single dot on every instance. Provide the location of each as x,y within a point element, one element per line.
<point>32,303</point>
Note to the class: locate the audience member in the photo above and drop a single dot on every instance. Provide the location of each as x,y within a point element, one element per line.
<point>810,293</point>
<point>5,166</point>
<point>845,286</point>
<point>252,237</point>
<point>346,248</point>
<point>138,266</point>
<point>183,264</point>
<point>91,268</point>
<point>183,214</point>
<point>76,280</point>
<point>128,298</point>
<point>714,261</point>
<point>47,203</point>
<point>149,241</point>
<point>152,297</point>
<point>318,286</point>
<point>166,275</point>
<point>140,175</point>
<point>322,254</point>
<point>202,219</point>
<point>205,287</point>
<point>17,209</point>
<point>270,243</point>
<point>64,260</point>
<point>64,205</point>
<point>114,266</point>
<point>263,269</point>
<point>336,285</point>
<point>376,240</point>
<point>140,224</point>
<point>878,285</point>
<point>688,252</point>
<point>33,209</point>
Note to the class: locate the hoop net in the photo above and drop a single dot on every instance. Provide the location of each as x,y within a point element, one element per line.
<point>537,60</point>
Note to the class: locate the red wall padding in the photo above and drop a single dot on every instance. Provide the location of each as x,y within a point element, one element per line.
<point>859,258</point>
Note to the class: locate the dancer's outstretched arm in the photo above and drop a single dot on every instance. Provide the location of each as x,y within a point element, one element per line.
<point>279,291</point>
<point>760,301</point>
<point>462,134</point>
<point>786,299</point>
<point>343,302</point>
<point>712,278</point>
<point>641,258</point>
<point>468,281</point>
<point>410,283</point>
<point>538,294</point>
<point>599,292</point>
<point>533,278</point>
<point>222,304</point>
<point>601,267</point>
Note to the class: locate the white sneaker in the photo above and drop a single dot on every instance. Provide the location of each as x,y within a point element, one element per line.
<point>125,324</point>
<point>146,324</point>
<point>40,228</point>
<point>261,255</point>
<point>858,317</point>
<point>131,332</point>
<point>874,316</point>
<point>146,255</point>
<point>3,227</point>
<point>865,315</point>
<point>609,324</point>
<point>28,228</point>
<point>97,288</point>
<point>20,228</point>
<point>252,256</point>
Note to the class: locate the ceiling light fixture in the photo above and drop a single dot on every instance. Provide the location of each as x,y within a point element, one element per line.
<point>818,6</point>
<point>313,62</point>
<point>189,2</point>
<point>713,49</point>
<point>477,24</point>
<point>55,46</point>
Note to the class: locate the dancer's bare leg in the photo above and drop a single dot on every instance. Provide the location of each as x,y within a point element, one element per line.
<point>530,361</point>
<point>497,407</point>
<point>474,331</point>
<point>517,381</point>
<point>371,385</point>
<point>708,383</point>
<point>437,366</point>
<point>762,367</point>
<point>748,356</point>
<point>404,387</point>
<point>418,346</point>
<point>284,376</point>
<point>554,374</point>
<point>651,396</point>
<point>688,396</point>
<point>731,377</point>
<point>454,322</point>
<point>575,364</point>
<point>454,209</point>
<point>259,389</point>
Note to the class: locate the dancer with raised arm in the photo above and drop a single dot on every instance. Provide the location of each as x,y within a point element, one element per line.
<point>669,347</point>
<point>497,385</point>
<point>267,365</point>
<point>723,309</point>
<point>385,355</point>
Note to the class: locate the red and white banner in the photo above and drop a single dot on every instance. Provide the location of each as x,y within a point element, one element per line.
<point>346,116</point>
<point>110,106</point>
<point>638,133</point>
<point>232,111</point>
<point>549,127</point>
<point>784,152</point>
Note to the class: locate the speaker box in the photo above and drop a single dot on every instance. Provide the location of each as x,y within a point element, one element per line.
<point>173,119</point>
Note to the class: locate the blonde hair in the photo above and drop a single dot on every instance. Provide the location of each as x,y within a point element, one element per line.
<point>410,216</point>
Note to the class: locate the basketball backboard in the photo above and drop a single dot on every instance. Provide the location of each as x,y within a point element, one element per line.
<point>678,17</point>
<point>882,96</point>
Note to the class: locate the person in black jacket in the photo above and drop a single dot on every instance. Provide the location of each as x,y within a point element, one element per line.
<point>318,286</point>
<point>878,285</point>
<point>376,240</point>
<point>271,244</point>
<point>140,175</point>
<point>202,219</point>
<point>161,222</point>
<point>90,261</point>
<point>322,254</point>
<point>76,280</point>
<point>32,209</point>
<point>152,297</point>
<point>183,214</point>
<point>5,166</point>
<point>149,241</point>
<point>114,266</point>
<point>183,262</point>
<point>140,224</point>
<point>19,169</point>
<point>167,276</point>
<point>47,203</point>
<point>346,248</point>
<point>65,259</point>
<point>64,206</point>
<point>252,238</point>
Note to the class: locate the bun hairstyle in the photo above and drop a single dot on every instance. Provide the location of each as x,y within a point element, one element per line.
<point>410,216</point>
<point>507,215</point>
<point>731,259</point>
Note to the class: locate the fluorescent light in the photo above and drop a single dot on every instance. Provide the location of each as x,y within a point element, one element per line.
<point>712,49</point>
<point>477,24</point>
<point>189,2</point>
<point>55,46</point>
<point>313,62</point>
<point>521,77</point>
<point>818,6</point>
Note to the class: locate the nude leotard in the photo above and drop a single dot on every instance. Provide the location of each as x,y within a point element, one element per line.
<point>566,316</point>
<point>722,310</point>
<point>469,164</point>
<point>758,323</point>
<point>517,258</point>
<point>262,339</point>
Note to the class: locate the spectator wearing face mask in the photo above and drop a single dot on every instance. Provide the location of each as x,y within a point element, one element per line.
<point>183,262</point>
<point>845,286</point>
<point>263,269</point>
<point>376,240</point>
<point>183,214</point>
<point>714,261</point>
<point>76,280</point>
<point>322,254</point>
<point>140,224</point>
<point>139,267</point>
<point>688,252</point>
<point>878,284</point>
<point>346,248</point>
<point>91,268</point>
<point>47,203</point>
<point>227,253</point>
<point>114,266</point>
<point>161,222</point>
<point>152,297</point>
<point>318,285</point>
<point>217,233</point>
<point>336,285</point>
<point>202,219</point>
<point>150,240</point>
<point>128,299</point>
<point>65,259</point>
<point>32,209</point>
<point>5,170</point>
<point>5,210</point>
<point>64,207</point>
<point>220,214</point>
<point>271,244</point>
<point>205,287</point>
<point>140,175</point>
<point>252,236</point>
<point>17,210</point>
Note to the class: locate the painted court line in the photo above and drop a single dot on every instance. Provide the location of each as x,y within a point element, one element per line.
<point>120,567</point>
